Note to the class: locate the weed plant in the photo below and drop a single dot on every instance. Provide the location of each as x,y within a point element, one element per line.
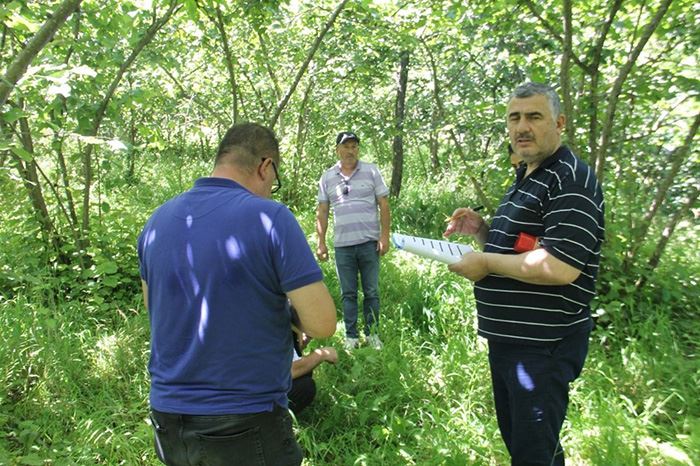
<point>74,350</point>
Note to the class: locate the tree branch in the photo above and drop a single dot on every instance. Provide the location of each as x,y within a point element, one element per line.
<point>620,81</point>
<point>99,114</point>
<point>305,65</point>
<point>553,32</point>
<point>198,100</point>
<point>24,58</point>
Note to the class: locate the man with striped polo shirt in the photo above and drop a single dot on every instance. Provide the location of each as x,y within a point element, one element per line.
<point>355,190</point>
<point>536,277</point>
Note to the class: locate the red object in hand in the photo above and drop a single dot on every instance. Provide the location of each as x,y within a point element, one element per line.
<point>526,242</point>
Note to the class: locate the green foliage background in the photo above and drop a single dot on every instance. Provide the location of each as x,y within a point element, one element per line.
<point>73,330</point>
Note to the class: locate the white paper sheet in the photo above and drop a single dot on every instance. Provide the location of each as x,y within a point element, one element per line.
<point>443,251</point>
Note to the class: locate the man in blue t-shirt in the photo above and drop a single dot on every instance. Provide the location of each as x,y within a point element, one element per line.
<point>218,264</point>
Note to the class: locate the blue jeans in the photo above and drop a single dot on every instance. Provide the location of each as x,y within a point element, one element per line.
<point>261,439</point>
<point>531,392</point>
<point>349,260</point>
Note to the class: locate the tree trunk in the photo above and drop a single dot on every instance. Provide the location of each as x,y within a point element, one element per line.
<point>264,107</point>
<point>30,178</point>
<point>24,58</point>
<point>65,181</point>
<point>434,147</point>
<point>483,200</point>
<point>552,31</point>
<point>614,96</point>
<point>594,72</point>
<point>399,115</point>
<point>666,236</point>
<point>300,140</point>
<point>228,58</point>
<point>436,114</point>
<point>678,156</point>
<point>565,79</point>
<point>302,69</point>
<point>270,71</point>
<point>133,132</point>
<point>99,115</point>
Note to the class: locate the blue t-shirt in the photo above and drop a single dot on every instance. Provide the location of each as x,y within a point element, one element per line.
<point>218,261</point>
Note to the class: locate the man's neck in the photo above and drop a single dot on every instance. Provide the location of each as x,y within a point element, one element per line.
<point>532,166</point>
<point>348,169</point>
<point>230,173</point>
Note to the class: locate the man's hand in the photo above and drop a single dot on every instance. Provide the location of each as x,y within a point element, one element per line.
<point>328,354</point>
<point>466,222</point>
<point>383,246</point>
<point>322,252</point>
<point>303,340</point>
<point>472,266</point>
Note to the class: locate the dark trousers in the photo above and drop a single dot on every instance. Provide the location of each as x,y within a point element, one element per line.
<point>531,392</point>
<point>262,439</point>
<point>302,393</point>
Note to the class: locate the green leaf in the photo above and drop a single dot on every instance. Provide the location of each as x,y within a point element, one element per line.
<point>192,11</point>
<point>31,460</point>
<point>106,268</point>
<point>22,153</point>
<point>13,115</point>
<point>20,22</point>
<point>110,281</point>
<point>105,207</point>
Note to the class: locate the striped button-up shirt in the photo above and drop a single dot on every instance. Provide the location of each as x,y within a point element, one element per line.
<point>561,203</point>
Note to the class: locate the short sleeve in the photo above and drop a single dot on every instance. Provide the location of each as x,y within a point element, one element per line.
<point>573,225</point>
<point>380,188</point>
<point>292,257</point>
<point>322,191</point>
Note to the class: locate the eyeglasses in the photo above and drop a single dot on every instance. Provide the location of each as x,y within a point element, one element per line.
<point>346,187</point>
<point>278,186</point>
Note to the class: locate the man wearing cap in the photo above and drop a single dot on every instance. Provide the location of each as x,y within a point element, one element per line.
<point>356,190</point>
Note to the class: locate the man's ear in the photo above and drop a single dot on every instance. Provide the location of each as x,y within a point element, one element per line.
<point>262,167</point>
<point>561,122</point>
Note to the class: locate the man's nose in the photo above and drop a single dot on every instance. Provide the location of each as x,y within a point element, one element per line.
<point>522,126</point>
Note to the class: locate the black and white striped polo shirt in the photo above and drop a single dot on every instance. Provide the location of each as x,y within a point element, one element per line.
<point>561,203</point>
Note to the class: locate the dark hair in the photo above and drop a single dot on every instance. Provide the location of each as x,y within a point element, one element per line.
<point>247,143</point>
<point>531,88</point>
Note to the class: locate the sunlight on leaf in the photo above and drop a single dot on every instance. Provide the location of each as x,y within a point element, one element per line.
<point>60,89</point>
<point>22,153</point>
<point>116,145</point>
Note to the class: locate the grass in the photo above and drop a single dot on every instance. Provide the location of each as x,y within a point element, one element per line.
<point>74,350</point>
<point>75,387</point>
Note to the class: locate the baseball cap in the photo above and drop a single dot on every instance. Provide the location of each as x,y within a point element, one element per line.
<point>346,136</point>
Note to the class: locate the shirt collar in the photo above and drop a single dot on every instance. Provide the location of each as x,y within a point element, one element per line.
<point>546,163</point>
<point>212,181</point>
<point>555,157</point>
<point>338,168</point>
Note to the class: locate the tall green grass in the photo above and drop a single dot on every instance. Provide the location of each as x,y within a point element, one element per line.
<point>74,349</point>
<point>74,387</point>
